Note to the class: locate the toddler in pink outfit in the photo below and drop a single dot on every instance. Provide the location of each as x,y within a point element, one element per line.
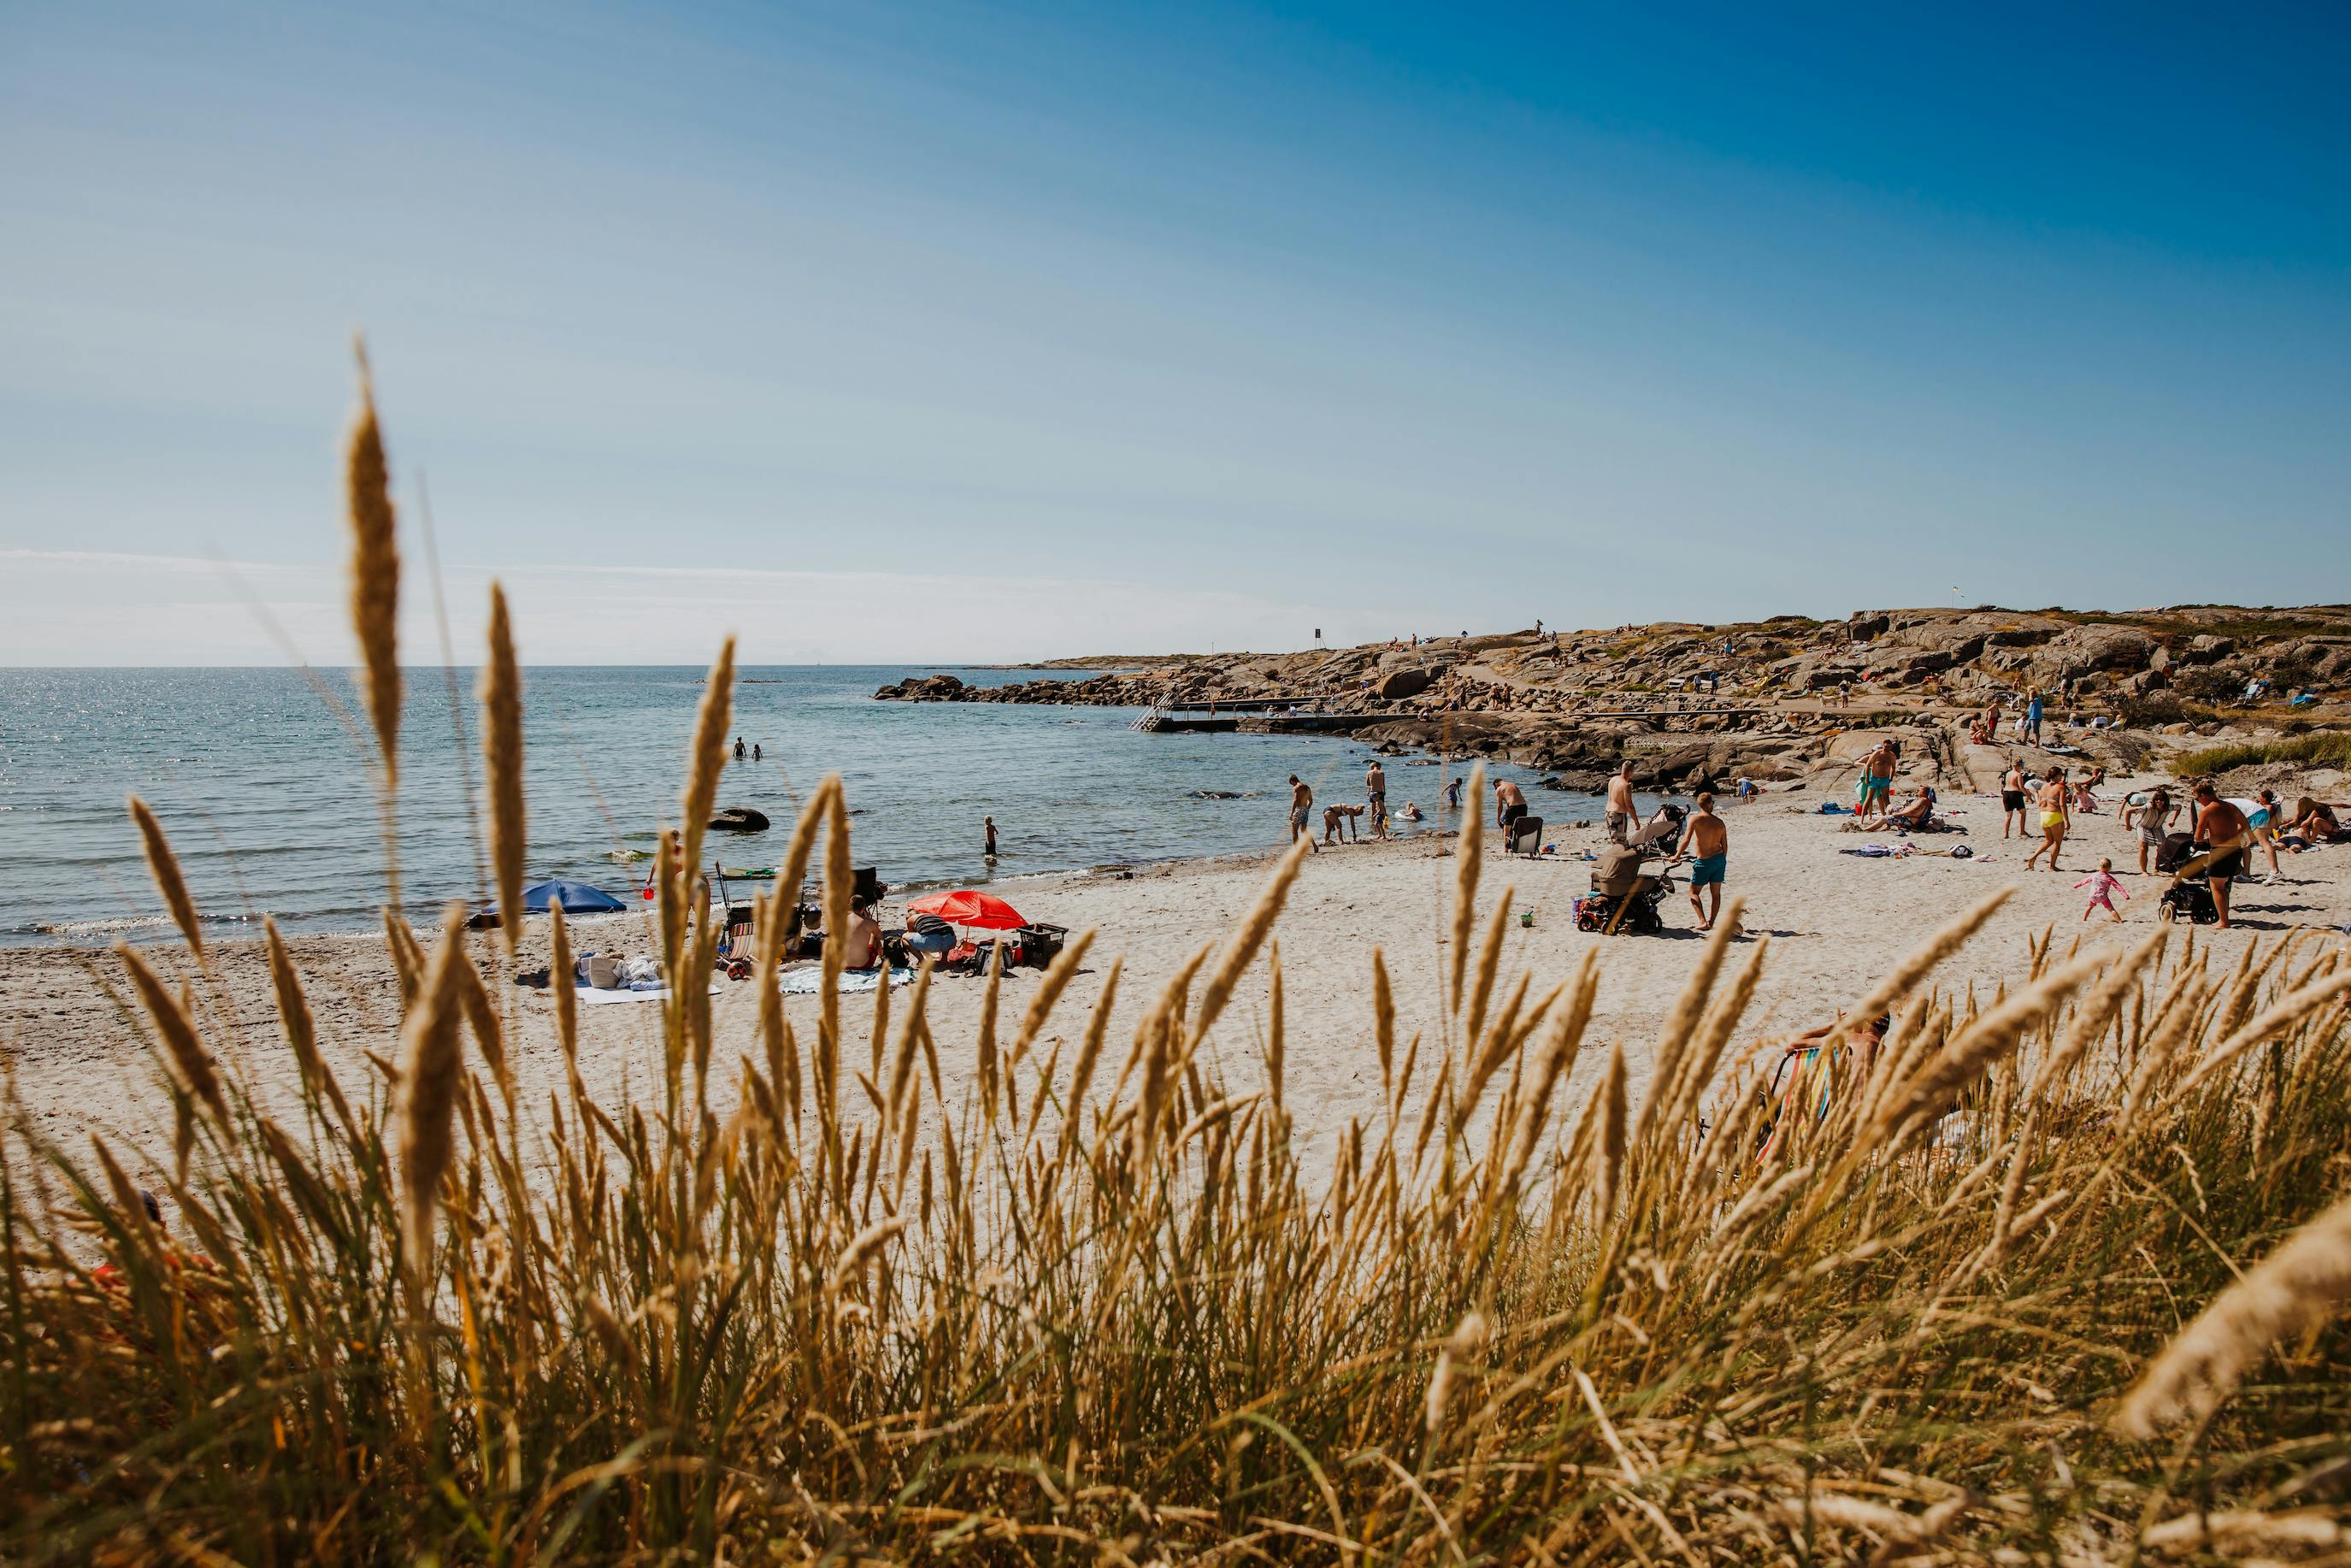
<point>2103,886</point>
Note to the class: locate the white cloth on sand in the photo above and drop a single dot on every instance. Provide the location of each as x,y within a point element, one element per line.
<point>589,995</point>
<point>810,981</point>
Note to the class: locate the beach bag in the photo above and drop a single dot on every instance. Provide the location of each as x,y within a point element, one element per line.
<point>604,972</point>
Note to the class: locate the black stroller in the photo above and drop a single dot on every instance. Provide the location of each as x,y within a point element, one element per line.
<point>2190,898</point>
<point>1623,897</point>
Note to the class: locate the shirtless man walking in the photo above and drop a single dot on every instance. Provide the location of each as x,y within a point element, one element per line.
<point>2012,786</point>
<point>1301,801</point>
<point>1622,816</point>
<point>1376,797</point>
<point>1706,844</point>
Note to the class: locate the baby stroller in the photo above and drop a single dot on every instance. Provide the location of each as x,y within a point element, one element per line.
<point>2189,899</point>
<point>1623,897</point>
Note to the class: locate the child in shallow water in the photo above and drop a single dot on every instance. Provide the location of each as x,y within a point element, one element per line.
<point>2103,886</point>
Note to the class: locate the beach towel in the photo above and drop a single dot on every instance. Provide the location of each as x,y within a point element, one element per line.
<point>591,997</point>
<point>809,982</point>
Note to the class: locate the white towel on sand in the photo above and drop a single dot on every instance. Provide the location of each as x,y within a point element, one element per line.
<point>807,982</point>
<point>593,997</point>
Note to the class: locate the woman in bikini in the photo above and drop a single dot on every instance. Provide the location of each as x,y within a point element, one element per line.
<point>2055,818</point>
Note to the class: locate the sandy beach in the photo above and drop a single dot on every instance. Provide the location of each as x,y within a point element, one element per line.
<point>1835,923</point>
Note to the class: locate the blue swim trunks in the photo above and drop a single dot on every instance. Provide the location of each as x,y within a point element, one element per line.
<point>1707,868</point>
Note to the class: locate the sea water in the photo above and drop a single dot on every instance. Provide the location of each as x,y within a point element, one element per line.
<point>264,780</point>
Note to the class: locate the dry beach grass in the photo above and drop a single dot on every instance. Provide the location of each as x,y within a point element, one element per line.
<point>2051,1275</point>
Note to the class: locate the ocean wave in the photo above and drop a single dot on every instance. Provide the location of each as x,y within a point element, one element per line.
<point>99,927</point>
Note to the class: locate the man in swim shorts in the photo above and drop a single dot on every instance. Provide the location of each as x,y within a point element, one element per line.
<point>1706,844</point>
<point>2011,801</point>
<point>1376,797</point>
<point>2223,832</point>
<point>1301,801</point>
<point>1622,816</point>
<point>1509,805</point>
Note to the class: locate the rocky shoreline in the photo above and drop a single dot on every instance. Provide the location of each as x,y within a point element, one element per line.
<point>1768,700</point>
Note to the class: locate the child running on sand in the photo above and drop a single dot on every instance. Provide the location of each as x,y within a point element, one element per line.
<point>2103,886</point>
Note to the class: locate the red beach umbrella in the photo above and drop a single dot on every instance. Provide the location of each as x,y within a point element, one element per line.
<point>966,907</point>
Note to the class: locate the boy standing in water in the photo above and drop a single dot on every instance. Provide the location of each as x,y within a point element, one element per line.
<point>990,823</point>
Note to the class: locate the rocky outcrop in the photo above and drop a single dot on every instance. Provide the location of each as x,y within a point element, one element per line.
<point>1577,703</point>
<point>1398,684</point>
<point>2084,650</point>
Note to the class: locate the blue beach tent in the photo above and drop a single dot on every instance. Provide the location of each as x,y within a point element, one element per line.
<point>576,897</point>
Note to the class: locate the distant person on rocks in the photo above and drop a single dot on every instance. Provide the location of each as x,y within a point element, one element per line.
<point>988,825</point>
<point>2032,716</point>
<point>1706,844</point>
<point>1301,801</point>
<point>1622,816</point>
<point>1509,805</point>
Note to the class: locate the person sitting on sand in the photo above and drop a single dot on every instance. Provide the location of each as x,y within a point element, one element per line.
<point>862,941</point>
<point>1864,1041</point>
<point>2055,818</point>
<point>1339,820</point>
<point>2314,822</point>
<point>1915,812</point>
<point>1706,844</point>
<point>2084,802</point>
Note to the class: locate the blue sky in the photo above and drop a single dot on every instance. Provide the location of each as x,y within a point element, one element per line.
<point>987,332</point>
